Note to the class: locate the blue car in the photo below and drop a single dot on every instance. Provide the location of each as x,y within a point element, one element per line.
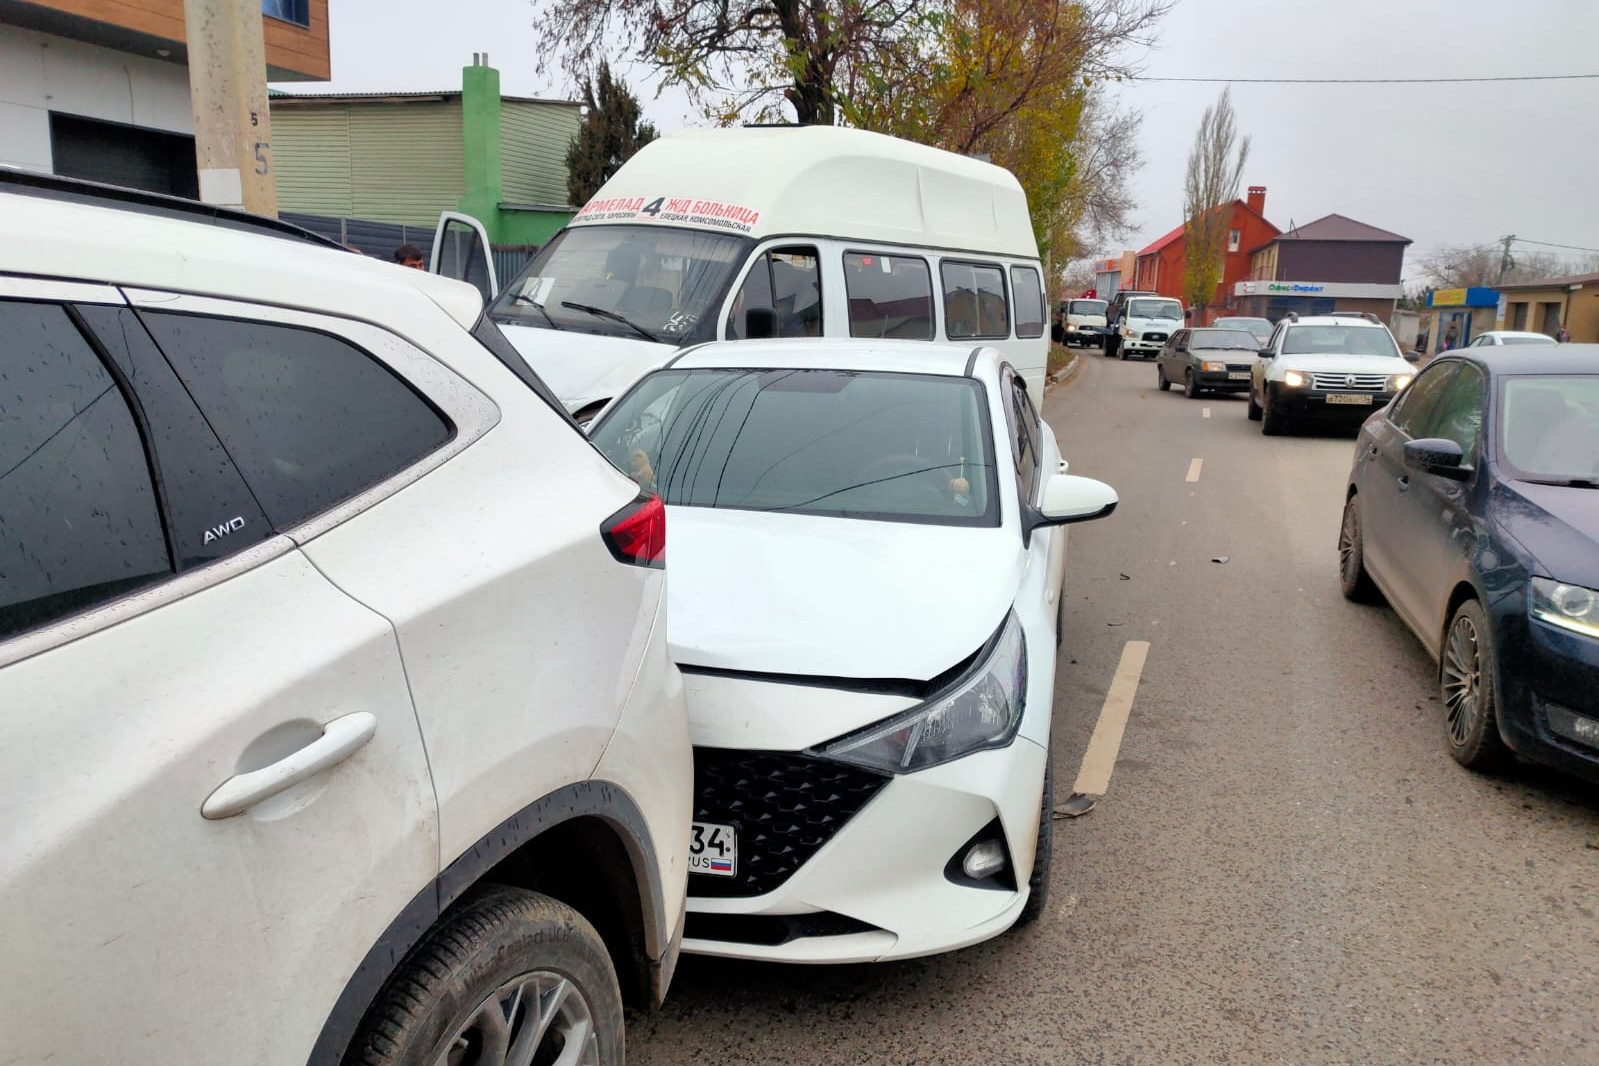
<point>1473,507</point>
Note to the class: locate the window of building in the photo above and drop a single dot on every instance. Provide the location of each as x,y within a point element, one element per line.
<point>974,301</point>
<point>1518,315</point>
<point>1029,293</point>
<point>79,524</point>
<point>295,11</point>
<point>1234,239</point>
<point>889,296</point>
<point>309,419</point>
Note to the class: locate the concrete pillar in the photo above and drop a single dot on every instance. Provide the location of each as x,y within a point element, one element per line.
<point>227,86</point>
<point>480,145</point>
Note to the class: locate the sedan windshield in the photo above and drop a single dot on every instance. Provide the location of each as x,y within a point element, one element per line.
<point>1222,339</point>
<point>1339,340</point>
<point>1155,309</point>
<point>1549,426</point>
<point>899,447</point>
<point>640,282</point>
<point>1259,327</point>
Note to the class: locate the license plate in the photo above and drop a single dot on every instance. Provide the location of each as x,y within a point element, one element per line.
<point>713,849</point>
<point>1238,376</point>
<point>1350,398</point>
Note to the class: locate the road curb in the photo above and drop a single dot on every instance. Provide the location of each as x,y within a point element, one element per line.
<point>1065,373</point>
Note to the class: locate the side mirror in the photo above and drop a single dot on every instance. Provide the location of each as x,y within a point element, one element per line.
<point>1068,498</point>
<point>760,322</point>
<point>1435,455</point>
<point>1412,357</point>
<point>1267,353</point>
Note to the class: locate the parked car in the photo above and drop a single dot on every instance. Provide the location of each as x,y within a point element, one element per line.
<point>1325,369</point>
<point>1496,338</point>
<point>307,757</point>
<point>1206,360</point>
<point>1144,326</point>
<point>1259,328</point>
<point>1083,322</point>
<point>811,231</point>
<point>1473,505</point>
<point>865,602</point>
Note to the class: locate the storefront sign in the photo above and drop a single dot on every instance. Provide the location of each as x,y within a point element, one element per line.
<point>1278,286</point>
<point>1449,297</point>
<point>1476,296</point>
<point>1347,290</point>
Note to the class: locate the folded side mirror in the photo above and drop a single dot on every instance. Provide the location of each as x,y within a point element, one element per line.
<point>1412,357</point>
<point>1267,353</point>
<point>1435,455</point>
<point>1068,498</point>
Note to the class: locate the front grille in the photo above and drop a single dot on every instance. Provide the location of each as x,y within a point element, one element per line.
<point>784,805</point>
<point>1156,336</point>
<point>1346,382</point>
<point>1238,368</point>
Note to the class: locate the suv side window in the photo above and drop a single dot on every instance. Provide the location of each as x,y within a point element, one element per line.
<point>309,419</point>
<point>1029,296</point>
<point>1413,411</point>
<point>79,522</point>
<point>1459,413</point>
<point>974,301</point>
<point>789,281</point>
<point>889,296</point>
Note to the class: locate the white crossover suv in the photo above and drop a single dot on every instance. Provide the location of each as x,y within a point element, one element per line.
<point>1328,368</point>
<point>336,717</point>
<point>867,563</point>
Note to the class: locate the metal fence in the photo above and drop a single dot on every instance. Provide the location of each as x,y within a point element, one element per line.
<point>380,239</point>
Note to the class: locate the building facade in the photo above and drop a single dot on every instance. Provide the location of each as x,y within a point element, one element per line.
<point>98,89</point>
<point>1455,316</point>
<point>1546,306</point>
<point>402,158</point>
<point>1332,264</point>
<point>1160,266</point>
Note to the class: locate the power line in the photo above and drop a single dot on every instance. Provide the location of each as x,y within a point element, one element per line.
<point>1567,247</point>
<point>1370,81</point>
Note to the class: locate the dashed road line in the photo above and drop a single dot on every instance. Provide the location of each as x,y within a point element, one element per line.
<point>1205,413</point>
<point>1193,469</point>
<point>1093,777</point>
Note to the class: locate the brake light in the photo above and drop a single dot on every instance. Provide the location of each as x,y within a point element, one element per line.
<point>636,534</point>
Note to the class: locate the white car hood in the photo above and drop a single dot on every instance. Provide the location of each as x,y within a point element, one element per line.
<point>1344,364</point>
<point>832,597</point>
<point>1139,325</point>
<point>583,367</point>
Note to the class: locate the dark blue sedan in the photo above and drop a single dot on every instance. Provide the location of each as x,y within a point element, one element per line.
<point>1473,506</point>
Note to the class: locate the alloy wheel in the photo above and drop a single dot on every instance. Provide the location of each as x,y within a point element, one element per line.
<point>537,1019</point>
<point>1348,537</point>
<point>1462,682</point>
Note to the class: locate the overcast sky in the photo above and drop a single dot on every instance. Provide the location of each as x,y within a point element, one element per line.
<point>1441,164</point>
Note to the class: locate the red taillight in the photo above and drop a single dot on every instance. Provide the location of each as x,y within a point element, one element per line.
<point>636,534</point>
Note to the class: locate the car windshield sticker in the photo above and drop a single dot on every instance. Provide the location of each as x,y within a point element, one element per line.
<point>683,210</point>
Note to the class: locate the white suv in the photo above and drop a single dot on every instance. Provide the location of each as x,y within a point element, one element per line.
<point>336,719</point>
<point>1330,368</point>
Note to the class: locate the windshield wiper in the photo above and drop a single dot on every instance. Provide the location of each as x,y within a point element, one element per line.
<point>524,298</point>
<point>1565,482</point>
<point>600,312</point>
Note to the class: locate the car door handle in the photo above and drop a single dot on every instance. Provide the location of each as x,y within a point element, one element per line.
<point>340,739</point>
<point>1404,484</point>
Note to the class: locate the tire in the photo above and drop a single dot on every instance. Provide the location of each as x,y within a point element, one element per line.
<point>1352,576</point>
<point>498,943</point>
<point>1271,423</point>
<point>1044,854</point>
<point>1470,696</point>
<point>1121,352</point>
<point>1160,377</point>
<point>1190,386</point>
<point>1254,408</point>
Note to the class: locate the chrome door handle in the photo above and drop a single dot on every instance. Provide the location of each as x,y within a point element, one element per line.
<point>340,739</point>
<point>1404,484</point>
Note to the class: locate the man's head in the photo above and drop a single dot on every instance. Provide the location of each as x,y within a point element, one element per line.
<point>410,255</point>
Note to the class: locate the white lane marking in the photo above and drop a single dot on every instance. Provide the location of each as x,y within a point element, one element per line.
<point>1205,413</point>
<point>1193,469</point>
<point>1093,778</point>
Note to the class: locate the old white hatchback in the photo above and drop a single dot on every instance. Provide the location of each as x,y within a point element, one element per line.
<point>866,577</point>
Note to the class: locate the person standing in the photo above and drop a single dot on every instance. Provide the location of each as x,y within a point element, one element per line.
<point>1562,337</point>
<point>409,255</point>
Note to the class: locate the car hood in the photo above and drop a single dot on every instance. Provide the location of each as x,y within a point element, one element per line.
<point>832,597</point>
<point>1171,324</point>
<point>1557,524</point>
<point>581,368</point>
<point>1346,364</point>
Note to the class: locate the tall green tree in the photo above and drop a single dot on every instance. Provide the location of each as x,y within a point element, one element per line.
<point>1215,169</point>
<point>612,131</point>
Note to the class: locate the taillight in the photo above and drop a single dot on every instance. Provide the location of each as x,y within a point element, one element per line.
<point>636,534</point>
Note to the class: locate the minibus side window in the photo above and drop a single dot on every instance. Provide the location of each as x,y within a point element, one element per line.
<point>889,295</point>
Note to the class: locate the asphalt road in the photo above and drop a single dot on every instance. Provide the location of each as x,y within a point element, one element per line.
<point>1286,866</point>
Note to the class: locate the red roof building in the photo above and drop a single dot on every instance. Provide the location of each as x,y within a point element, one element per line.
<point>1160,265</point>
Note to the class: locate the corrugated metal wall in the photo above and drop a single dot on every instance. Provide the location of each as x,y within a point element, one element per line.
<point>311,147</point>
<point>533,142</point>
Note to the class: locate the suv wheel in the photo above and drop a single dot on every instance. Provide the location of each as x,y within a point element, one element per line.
<point>1254,408</point>
<point>1470,697</point>
<point>507,976</point>
<point>1271,422</point>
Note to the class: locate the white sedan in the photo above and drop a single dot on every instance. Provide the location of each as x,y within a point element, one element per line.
<point>1496,337</point>
<point>864,597</point>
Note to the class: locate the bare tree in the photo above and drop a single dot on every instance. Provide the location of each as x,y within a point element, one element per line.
<point>1464,266</point>
<point>1100,201</point>
<point>1215,169</point>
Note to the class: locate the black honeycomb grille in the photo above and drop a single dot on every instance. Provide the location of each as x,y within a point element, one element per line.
<point>785,806</point>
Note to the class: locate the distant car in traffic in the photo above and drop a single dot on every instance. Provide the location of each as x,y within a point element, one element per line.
<point>1473,506</point>
<point>1145,324</point>
<point>1499,337</point>
<point>1259,328</point>
<point>1083,322</point>
<point>1327,369</point>
<point>1206,360</point>
<point>865,603</point>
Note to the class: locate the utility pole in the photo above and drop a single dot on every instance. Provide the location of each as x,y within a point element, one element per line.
<point>227,87</point>
<point>1505,259</point>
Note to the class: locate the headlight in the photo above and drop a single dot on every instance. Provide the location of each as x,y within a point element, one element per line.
<point>1401,380</point>
<point>1567,606</point>
<point>1213,367</point>
<point>1295,380</point>
<point>982,710</point>
<point>1127,333</point>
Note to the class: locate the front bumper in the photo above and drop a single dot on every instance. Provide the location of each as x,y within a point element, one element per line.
<point>1220,381</point>
<point>1316,404</point>
<point>871,884</point>
<point>1542,672</point>
<point>1139,346</point>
